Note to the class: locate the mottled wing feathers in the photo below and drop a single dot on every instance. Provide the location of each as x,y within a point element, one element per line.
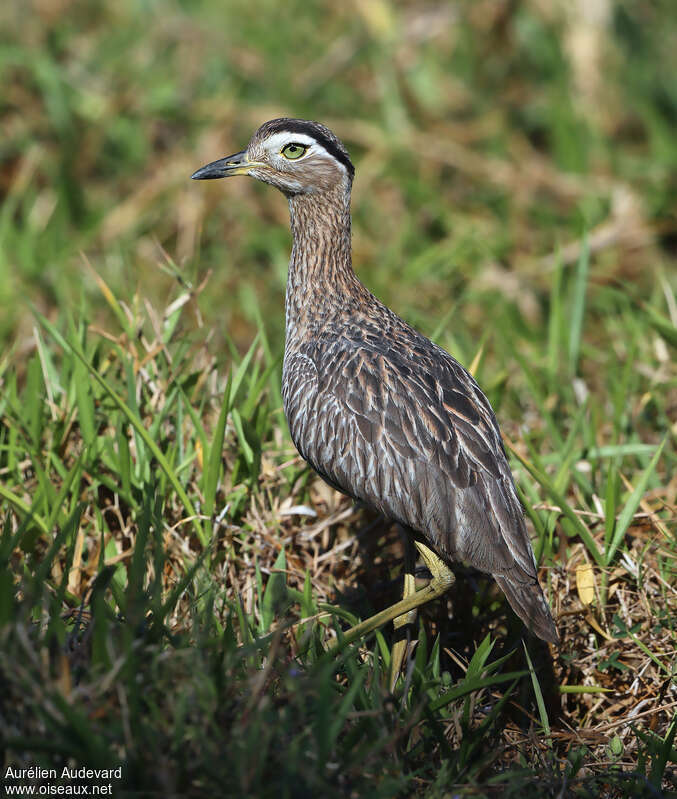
<point>422,446</point>
<point>407,430</point>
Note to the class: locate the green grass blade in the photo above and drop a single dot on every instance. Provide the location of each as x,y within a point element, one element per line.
<point>578,308</point>
<point>64,490</point>
<point>661,324</point>
<point>85,402</point>
<point>275,599</point>
<point>247,451</point>
<point>242,369</point>
<point>555,326</point>
<point>663,754</point>
<point>560,500</point>
<point>63,534</point>
<point>543,715</point>
<point>213,459</point>
<point>631,506</point>
<point>136,424</point>
<point>19,505</point>
<point>469,686</point>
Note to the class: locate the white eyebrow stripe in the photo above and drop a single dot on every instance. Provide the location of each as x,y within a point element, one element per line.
<point>278,140</point>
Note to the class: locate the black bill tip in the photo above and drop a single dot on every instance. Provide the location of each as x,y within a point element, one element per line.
<point>230,165</point>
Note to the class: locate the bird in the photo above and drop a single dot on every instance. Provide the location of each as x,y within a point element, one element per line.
<point>382,413</point>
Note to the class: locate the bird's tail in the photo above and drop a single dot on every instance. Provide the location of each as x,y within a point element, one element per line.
<point>527,600</point>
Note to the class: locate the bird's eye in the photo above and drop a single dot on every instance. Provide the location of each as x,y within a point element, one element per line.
<point>294,151</point>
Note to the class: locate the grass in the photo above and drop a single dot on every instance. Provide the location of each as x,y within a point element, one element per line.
<point>174,580</point>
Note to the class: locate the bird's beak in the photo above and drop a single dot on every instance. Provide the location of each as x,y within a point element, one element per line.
<point>237,164</point>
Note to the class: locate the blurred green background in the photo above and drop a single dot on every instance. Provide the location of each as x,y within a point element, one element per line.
<point>488,138</point>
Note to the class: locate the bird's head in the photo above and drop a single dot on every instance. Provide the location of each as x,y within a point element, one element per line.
<point>295,155</point>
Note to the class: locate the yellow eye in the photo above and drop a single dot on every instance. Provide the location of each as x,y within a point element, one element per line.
<point>294,150</point>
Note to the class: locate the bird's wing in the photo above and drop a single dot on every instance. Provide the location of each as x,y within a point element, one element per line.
<point>410,432</point>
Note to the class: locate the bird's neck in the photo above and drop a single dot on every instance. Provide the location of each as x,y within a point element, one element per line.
<point>320,268</point>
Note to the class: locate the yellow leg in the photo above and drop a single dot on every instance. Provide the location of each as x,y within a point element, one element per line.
<point>442,580</point>
<point>403,624</point>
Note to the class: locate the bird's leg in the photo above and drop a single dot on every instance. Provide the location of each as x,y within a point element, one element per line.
<point>442,580</point>
<point>404,624</point>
